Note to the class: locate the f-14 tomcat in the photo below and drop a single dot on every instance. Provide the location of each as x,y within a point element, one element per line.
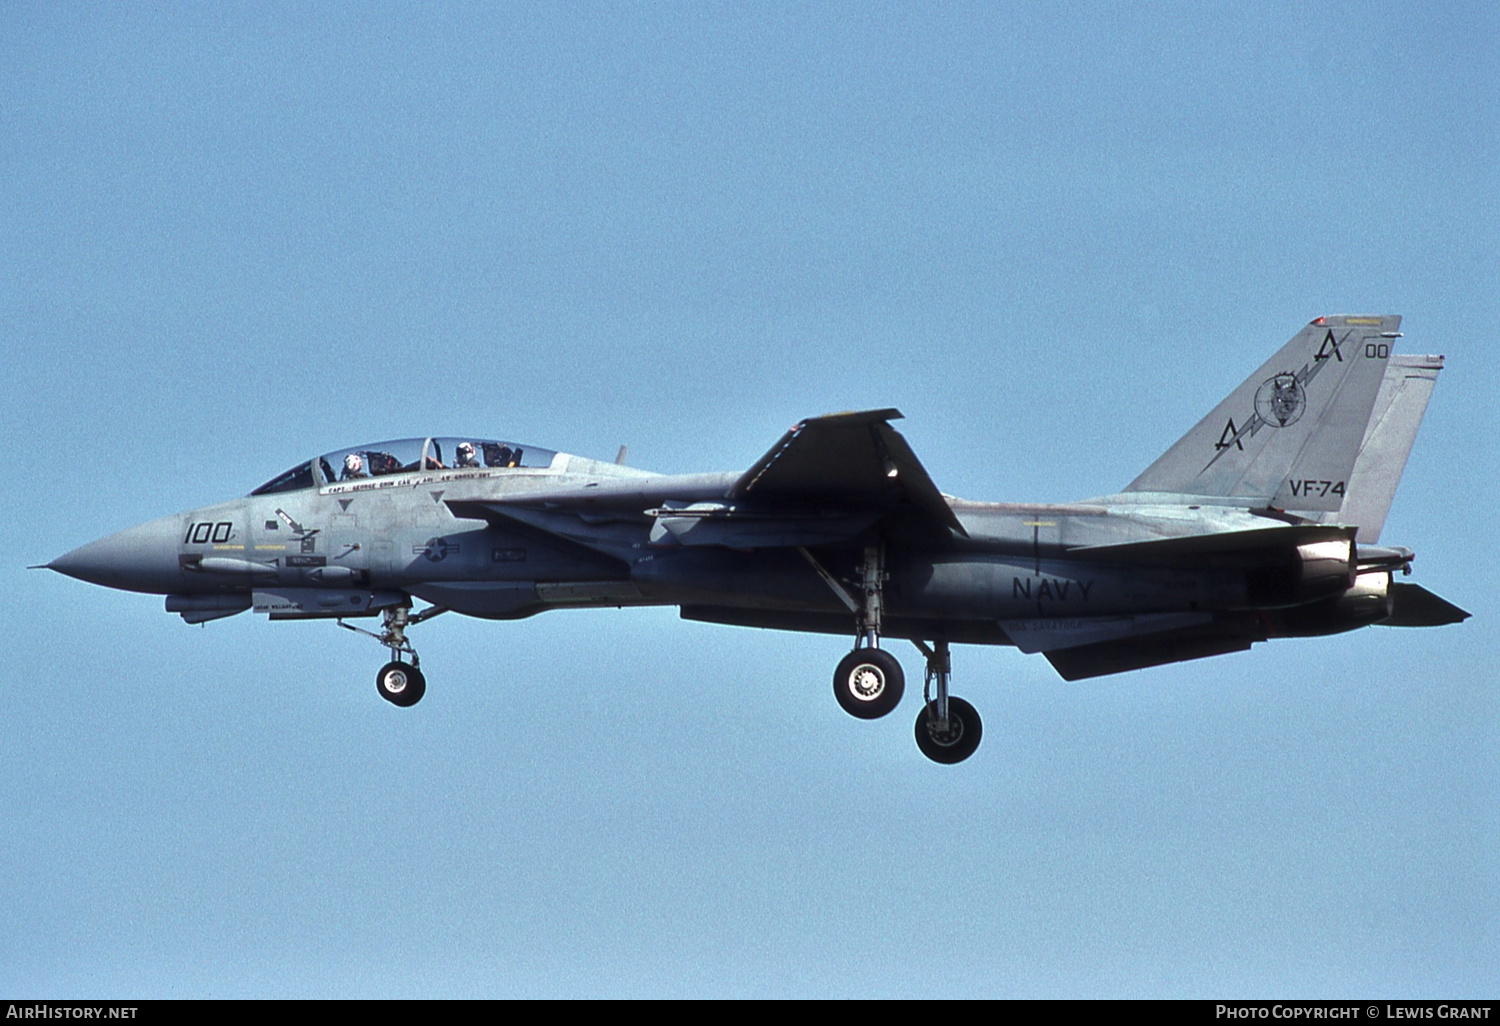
<point>1261,522</point>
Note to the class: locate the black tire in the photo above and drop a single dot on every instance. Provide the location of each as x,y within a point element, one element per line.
<point>400,684</point>
<point>868,683</point>
<point>964,731</point>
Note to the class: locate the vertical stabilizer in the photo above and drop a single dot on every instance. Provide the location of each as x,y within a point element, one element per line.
<point>1399,406</point>
<point>1289,435</point>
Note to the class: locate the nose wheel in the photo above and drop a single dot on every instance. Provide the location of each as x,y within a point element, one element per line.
<point>401,684</point>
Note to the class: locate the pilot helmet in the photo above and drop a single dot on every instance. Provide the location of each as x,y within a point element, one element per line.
<point>353,464</point>
<point>467,448</point>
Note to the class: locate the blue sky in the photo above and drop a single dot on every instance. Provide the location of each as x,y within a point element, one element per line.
<point>1054,235</point>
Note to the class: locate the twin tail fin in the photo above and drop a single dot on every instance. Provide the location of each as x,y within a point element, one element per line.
<point>1315,430</point>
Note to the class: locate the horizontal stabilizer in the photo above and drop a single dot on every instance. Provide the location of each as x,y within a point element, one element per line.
<point>1414,606</point>
<point>848,458</point>
<point>1052,634</point>
<point>1153,650</point>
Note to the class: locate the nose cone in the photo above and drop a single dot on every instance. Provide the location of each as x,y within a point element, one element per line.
<point>142,558</point>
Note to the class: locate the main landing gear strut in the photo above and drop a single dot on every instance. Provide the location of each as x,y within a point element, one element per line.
<point>399,682</point>
<point>869,682</point>
<point>948,728</point>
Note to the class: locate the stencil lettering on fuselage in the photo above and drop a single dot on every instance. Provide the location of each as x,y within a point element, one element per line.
<point>1056,589</point>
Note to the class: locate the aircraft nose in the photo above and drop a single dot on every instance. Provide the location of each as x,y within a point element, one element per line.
<point>140,558</point>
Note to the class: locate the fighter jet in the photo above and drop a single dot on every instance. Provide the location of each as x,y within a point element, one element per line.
<point>1261,522</point>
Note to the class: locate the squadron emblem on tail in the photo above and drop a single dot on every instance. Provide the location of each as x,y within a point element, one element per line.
<point>1280,401</point>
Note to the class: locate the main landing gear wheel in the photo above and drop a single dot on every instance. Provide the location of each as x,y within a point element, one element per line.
<point>958,741</point>
<point>868,683</point>
<point>400,684</point>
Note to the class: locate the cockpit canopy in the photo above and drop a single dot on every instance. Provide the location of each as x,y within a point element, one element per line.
<point>407,456</point>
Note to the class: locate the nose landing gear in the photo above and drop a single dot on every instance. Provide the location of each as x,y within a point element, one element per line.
<point>399,682</point>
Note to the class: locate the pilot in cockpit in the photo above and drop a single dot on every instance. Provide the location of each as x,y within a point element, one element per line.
<point>354,467</point>
<point>465,455</point>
